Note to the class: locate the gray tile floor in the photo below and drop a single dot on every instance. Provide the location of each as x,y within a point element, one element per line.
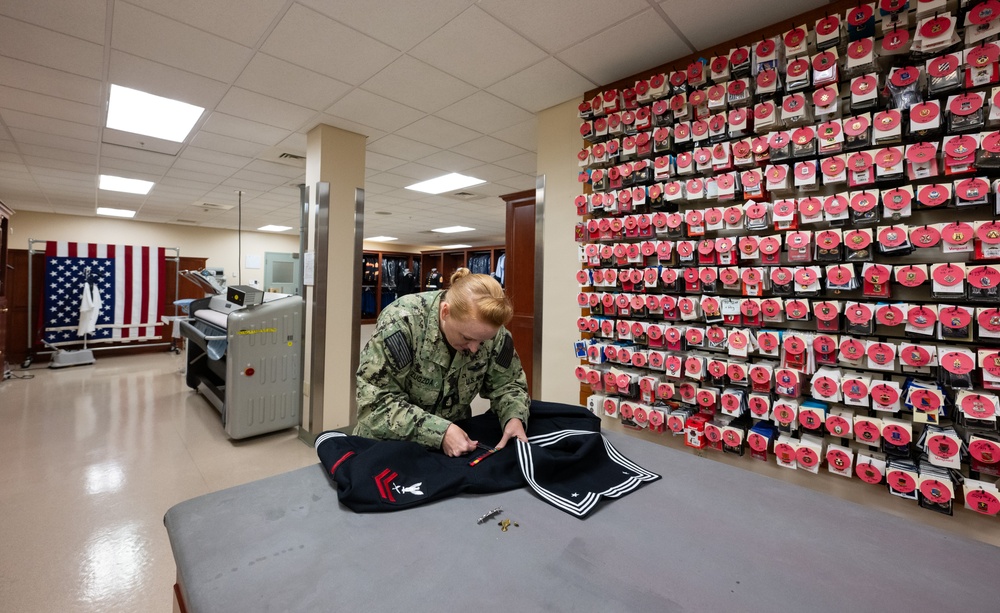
<point>91,457</point>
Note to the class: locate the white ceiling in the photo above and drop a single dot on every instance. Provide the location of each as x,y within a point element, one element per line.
<point>442,86</point>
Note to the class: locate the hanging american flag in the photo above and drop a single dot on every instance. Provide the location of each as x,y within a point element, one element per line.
<point>131,281</point>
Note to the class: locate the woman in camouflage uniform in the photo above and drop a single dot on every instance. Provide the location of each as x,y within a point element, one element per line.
<point>430,355</point>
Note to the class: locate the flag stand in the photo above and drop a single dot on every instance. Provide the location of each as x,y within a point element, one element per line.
<point>61,358</point>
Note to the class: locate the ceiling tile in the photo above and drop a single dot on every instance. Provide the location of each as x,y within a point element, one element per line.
<point>703,32</point>
<point>416,84</point>
<point>279,79</point>
<point>524,135</point>
<point>488,149</point>
<point>57,83</point>
<point>76,157</point>
<point>495,189</point>
<point>215,157</point>
<point>282,170</point>
<point>225,144</point>
<point>419,172</point>
<point>233,19</point>
<point>484,112</point>
<point>519,183</point>
<point>130,167</point>
<point>450,161</point>
<point>492,173</point>
<point>641,42</point>
<point>224,172</point>
<point>237,127</point>
<point>40,161</point>
<point>400,24</point>
<point>28,137</point>
<point>438,132</point>
<point>400,147</point>
<point>380,162</point>
<point>191,175</point>
<point>377,188</point>
<point>80,18</point>
<point>40,46</point>
<point>526,163</point>
<point>372,110</point>
<point>477,49</point>
<point>295,143</point>
<point>159,79</point>
<point>266,110</point>
<point>261,177</point>
<point>147,157</point>
<point>154,37</point>
<point>334,49</point>
<point>548,83</point>
<point>17,119</point>
<point>556,24</point>
<point>388,178</point>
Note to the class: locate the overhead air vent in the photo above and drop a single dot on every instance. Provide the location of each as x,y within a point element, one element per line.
<point>186,221</point>
<point>465,195</point>
<point>214,206</point>
<point>281,155</point>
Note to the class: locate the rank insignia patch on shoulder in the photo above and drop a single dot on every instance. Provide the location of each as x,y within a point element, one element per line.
<point>399,349</point>
<point>506,352</point>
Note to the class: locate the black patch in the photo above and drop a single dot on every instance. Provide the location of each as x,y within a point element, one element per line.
<point>399,349</point>
<point>506,352</point>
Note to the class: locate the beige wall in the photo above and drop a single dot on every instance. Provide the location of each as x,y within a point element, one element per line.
<point>219,246</point>
<point>558,144</point>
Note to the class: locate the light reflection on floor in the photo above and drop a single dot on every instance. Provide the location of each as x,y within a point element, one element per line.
<point>91,457</point>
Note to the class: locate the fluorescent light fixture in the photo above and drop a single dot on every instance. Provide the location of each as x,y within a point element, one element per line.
<point>456,246</point>
<point>453,229</point>
<point>446,183</point>
<point>382,239</point>
<point>129,186</point>
<point>131,110</point>
<point>274,228</point>
<point>103,210</point>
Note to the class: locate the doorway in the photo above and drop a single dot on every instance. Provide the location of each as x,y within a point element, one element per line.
<point>282,273</point>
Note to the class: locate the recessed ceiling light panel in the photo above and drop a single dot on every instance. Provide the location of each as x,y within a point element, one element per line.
<point>446,183</point>
<point>456,246</point>
<point>131,110</point>
<point>108,212</point>
<point>381,239</point>
<point>274,228</point>
<point>129,186</point>
<point>453,229</point>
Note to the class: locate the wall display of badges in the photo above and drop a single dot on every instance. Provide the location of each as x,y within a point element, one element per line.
<point>798,241</point>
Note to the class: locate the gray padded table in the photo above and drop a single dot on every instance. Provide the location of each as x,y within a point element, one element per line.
<point>751,543</point>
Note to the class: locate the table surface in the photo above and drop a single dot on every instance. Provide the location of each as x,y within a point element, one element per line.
<point>704,538</point>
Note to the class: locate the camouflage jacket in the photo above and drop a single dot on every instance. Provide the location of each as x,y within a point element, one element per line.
<point>411,388</point>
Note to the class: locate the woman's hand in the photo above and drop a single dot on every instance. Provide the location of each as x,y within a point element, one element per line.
<point>456,442</point>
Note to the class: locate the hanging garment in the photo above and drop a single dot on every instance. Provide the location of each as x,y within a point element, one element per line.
<point>407,283</point>
<point>502,268</point>
<point>566,460</point>
<point>90,309</point>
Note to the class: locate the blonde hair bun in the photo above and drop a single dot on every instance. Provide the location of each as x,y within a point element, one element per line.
<point>479,296</point>
<point>461,273</point>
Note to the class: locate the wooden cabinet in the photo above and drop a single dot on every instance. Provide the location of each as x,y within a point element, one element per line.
<point>386,276</point>
<point>477,259</point>
<point>5,215</point>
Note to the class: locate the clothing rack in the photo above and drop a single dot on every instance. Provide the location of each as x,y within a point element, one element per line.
<point>122,343</point>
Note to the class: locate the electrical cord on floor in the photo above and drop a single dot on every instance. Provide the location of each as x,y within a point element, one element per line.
<point>11,375</point>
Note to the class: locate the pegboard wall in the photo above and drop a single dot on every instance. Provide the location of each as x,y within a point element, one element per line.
<point>790,249</point>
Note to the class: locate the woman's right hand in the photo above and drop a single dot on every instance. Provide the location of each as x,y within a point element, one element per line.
<point>456,442</point>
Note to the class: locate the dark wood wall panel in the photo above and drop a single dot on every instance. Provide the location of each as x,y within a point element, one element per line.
<point>519,280</point>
